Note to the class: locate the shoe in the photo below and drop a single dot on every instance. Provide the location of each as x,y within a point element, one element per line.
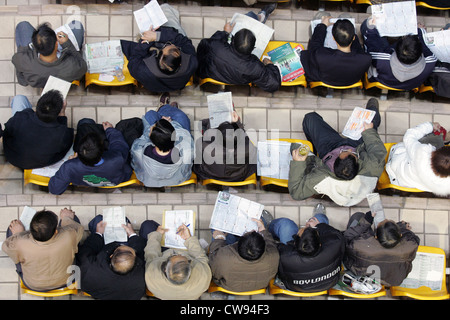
<point>319,208</point>
<point>266,218</point>
<point>164,99</point>
<point>174,104</point>
<point>372,104</point>
<point>320,14</point>
<point>345,15</point>
<point>363,284</point>
<point>267,11</point>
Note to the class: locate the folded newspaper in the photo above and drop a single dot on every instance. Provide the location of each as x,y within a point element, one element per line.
<point>395,19</point>
<point>102,57</point>
<point>274,158</point>
<point>151,15</point>
<point>172,220</point>
<point>355,124</point>
<point>220,108</point>
<point>114,231</point>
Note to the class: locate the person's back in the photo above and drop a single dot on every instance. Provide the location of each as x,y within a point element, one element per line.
<point>38,139</point>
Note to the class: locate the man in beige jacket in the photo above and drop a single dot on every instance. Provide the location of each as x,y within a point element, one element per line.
<point>44,253</point>
<point>174,274</point>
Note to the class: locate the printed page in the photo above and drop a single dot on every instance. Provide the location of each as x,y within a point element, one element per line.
<point>220,108</point>
<point>355,124</point>
<point>439,43</point>
<point>274,158</point>
<point>54,83</point>
<point>288,61</point>
<point>26,216</point>
<point>262,32</point>
<point>151,15</point>
<point>329,41</point>
<point>233,214</point>
<point>66,29</point>
<point>427,270</point>
<point>50,171</point>
<point>376,207</point>
<point>172,220</point>
<point>114,218</point>
<point>103,56</point>
<point>395,19</point>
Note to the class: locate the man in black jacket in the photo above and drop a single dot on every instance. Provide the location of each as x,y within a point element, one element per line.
<point>37,139</point>
<point>114,271</point>
<point>234,63</point>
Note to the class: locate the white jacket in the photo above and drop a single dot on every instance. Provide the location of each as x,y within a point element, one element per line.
<point>409,163</point>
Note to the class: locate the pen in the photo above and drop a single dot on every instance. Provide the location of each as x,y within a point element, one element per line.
<point>186,227</point>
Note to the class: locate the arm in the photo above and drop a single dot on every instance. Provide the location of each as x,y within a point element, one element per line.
<point>372,40</point>
<point>79,66</point>
<point>153,248</point>
<point>301,185</point>
<point>116,140</point>
<point>364,225</point>
<point>62,179</point>
<point>372,154</point>
<point>176,38</point>
<point>318,37</point>
<point>91,247</point>
<point>413,135</point>
<point>269,78</point>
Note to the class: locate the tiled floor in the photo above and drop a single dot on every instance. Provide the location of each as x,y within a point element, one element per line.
<point>263,114</point>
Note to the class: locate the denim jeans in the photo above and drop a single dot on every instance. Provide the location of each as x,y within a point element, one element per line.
<point>20,103</point>
<point>283,229</point>
<point>168,111</point>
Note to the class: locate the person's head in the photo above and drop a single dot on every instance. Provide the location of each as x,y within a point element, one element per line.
<point>91,149</point>
<point>408,49</point>
<point>169,59</point>
<point>346,165</point>
<point>307,241</point>
<point>43,225</point>
<point>388,233</point>
<point>343,32</point>
<point>123,260</point>
<point>44,40</point>
<point>177,269</point>
<point>161,135</point>
<point>440,162</point>
<point>49,106</point>
<point>251,246</point>
<point>227,129</point>
<point>244,41</point>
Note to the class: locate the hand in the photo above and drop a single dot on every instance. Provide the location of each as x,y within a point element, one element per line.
<point>312,222</point>
<point>107,125</point>
<point>161,230</point>
<point>260,224</point>
<point>184,232</point>
<point>149,35</point>
<point>128,228</point>
<point>218,233</point>
<point>367,125</point>
<point>101,226</point>
<point>372,21</point>
<point>67,213</point>
<point>16,226</point>
<point>407,225</point>
<point>326,20</point>
<point>436,126</point>
<point>61,37</point>
<point>234,116</point>
<point>62,113</point>
<point>73,156</point>
<point>228,27</point>
<point>296,156</point>
<point>167,118</point>
<point>267,61</point>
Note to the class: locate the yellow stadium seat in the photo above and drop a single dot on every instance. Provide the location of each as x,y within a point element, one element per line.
<point>376,84</point>
<point>424,292</point>
<point>213,288</point>
<point>274,289</point>
<point>191,180</point>
<point>51,293</point>
<point>94,78</point>
<point>76,82</point>
<point>190,82</point>
<point>384,182</point>
<point>424,4</point>
<point>282,182</point>
<point>148,293</point>
<point>363,2</point>
<point>300,81</point>
<point>216,82</point>
<point>250,180</point>
<point>339,292</point>
<point>314,84</point>
<point>424,88</point>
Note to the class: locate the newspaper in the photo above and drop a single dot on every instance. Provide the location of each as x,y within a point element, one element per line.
<point>50,171</point>
<point>329,42</point>
<point>103,56</point>
<point>288,61</point>
<point>233,214</point>
<point>355,124</point>
<point>274,158</point>
<point>26,216</point>
<point>376,207</point>
<point>395,19</point>
<point>114,231</point>
<point>54,83</point>
<point>427,270</point>
<point>172,220</point>
<point>262,33</point>
<point>151,15</point>
<point>220,108</point>
<point>66,29</point>
<point>439,43</point>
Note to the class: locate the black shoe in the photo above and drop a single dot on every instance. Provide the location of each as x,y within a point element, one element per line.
<point>164,99</point>
<point>372,104</point>
<point>267,10</point>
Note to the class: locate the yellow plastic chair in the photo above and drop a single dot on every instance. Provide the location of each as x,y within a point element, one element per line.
<point>339,292</point>
<point>363,2</point>
<point>148,293</point>
<point>202,81</point>
<point>51,293</point>
<point>424,88</point>
<point>213,288</point>
<point>191,180</point>
<point>314,84</point>
<point>190,82</point>
<point>423,292</point>
<point>384,182</point>
<point>94,78</point>
<point>384,89</point>
<point>274,289</point>
<point>282,182</point>
<point>423,4</point>
<point>300,81</point>
<point>76,82</point>
<point>250,180</point>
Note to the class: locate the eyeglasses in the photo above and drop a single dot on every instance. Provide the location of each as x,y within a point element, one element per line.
<point>354,153</point>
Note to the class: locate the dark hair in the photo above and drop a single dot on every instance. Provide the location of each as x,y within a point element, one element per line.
<point>90,149</point>
<point>343,32</point>
<point>408,49</point>
<point>308,243</point>
<point>44,39</point>
<point>347,168</point>
<point>49,106</point>
<point>244,41</point>
<point>388,234</point>
<point>43,225</point>
<point>251,246</point>
<point>161,135</point>
<point>440,162</point>
<point>170,62</point>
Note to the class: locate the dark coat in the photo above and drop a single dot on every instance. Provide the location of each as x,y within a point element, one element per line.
<point>220,61</point>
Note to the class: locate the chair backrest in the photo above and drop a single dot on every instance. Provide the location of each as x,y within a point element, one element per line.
<point>314,84</point>
<point>214,287</point>
<point>426,5</point>
<point>274,289</point>
<point>51,293</point>
<point>335,291</point>
<point>249,180</point>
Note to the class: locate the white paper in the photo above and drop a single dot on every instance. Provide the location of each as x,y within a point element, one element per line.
<point>54,83</point>
<point>26,216</point>
<point>103,56</point>
<point>66,29</point>
<point>274,158</point>
<point>151,15</point>
<point>355,124</point>
<point>262,32</point>
<point>376,207</point>
<point>114,218</point>
<point>395,19</point>
<point>50,171</point>
<point>173,219</point>
<point>233,214</point>
<point>106,77</point>
<point>220,108</point>
<point>427,270</point>
<point>329,42</point>
<point>439,43</point>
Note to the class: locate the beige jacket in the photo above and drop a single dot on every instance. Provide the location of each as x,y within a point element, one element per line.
<point>44,264</point>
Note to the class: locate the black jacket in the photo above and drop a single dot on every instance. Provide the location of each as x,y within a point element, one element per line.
<point>220,61</point>
<point>98,279</point>
<point>31,143</point>
<point>316,273</point>
<point>333,66</point>
<point>142,63</point>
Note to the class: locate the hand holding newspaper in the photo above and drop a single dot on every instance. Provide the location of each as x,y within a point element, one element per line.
<point>114,231</point>
<point>151,15</point>
<point>172,220</point>
<point>355,124</point>
<point>395,19</point>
